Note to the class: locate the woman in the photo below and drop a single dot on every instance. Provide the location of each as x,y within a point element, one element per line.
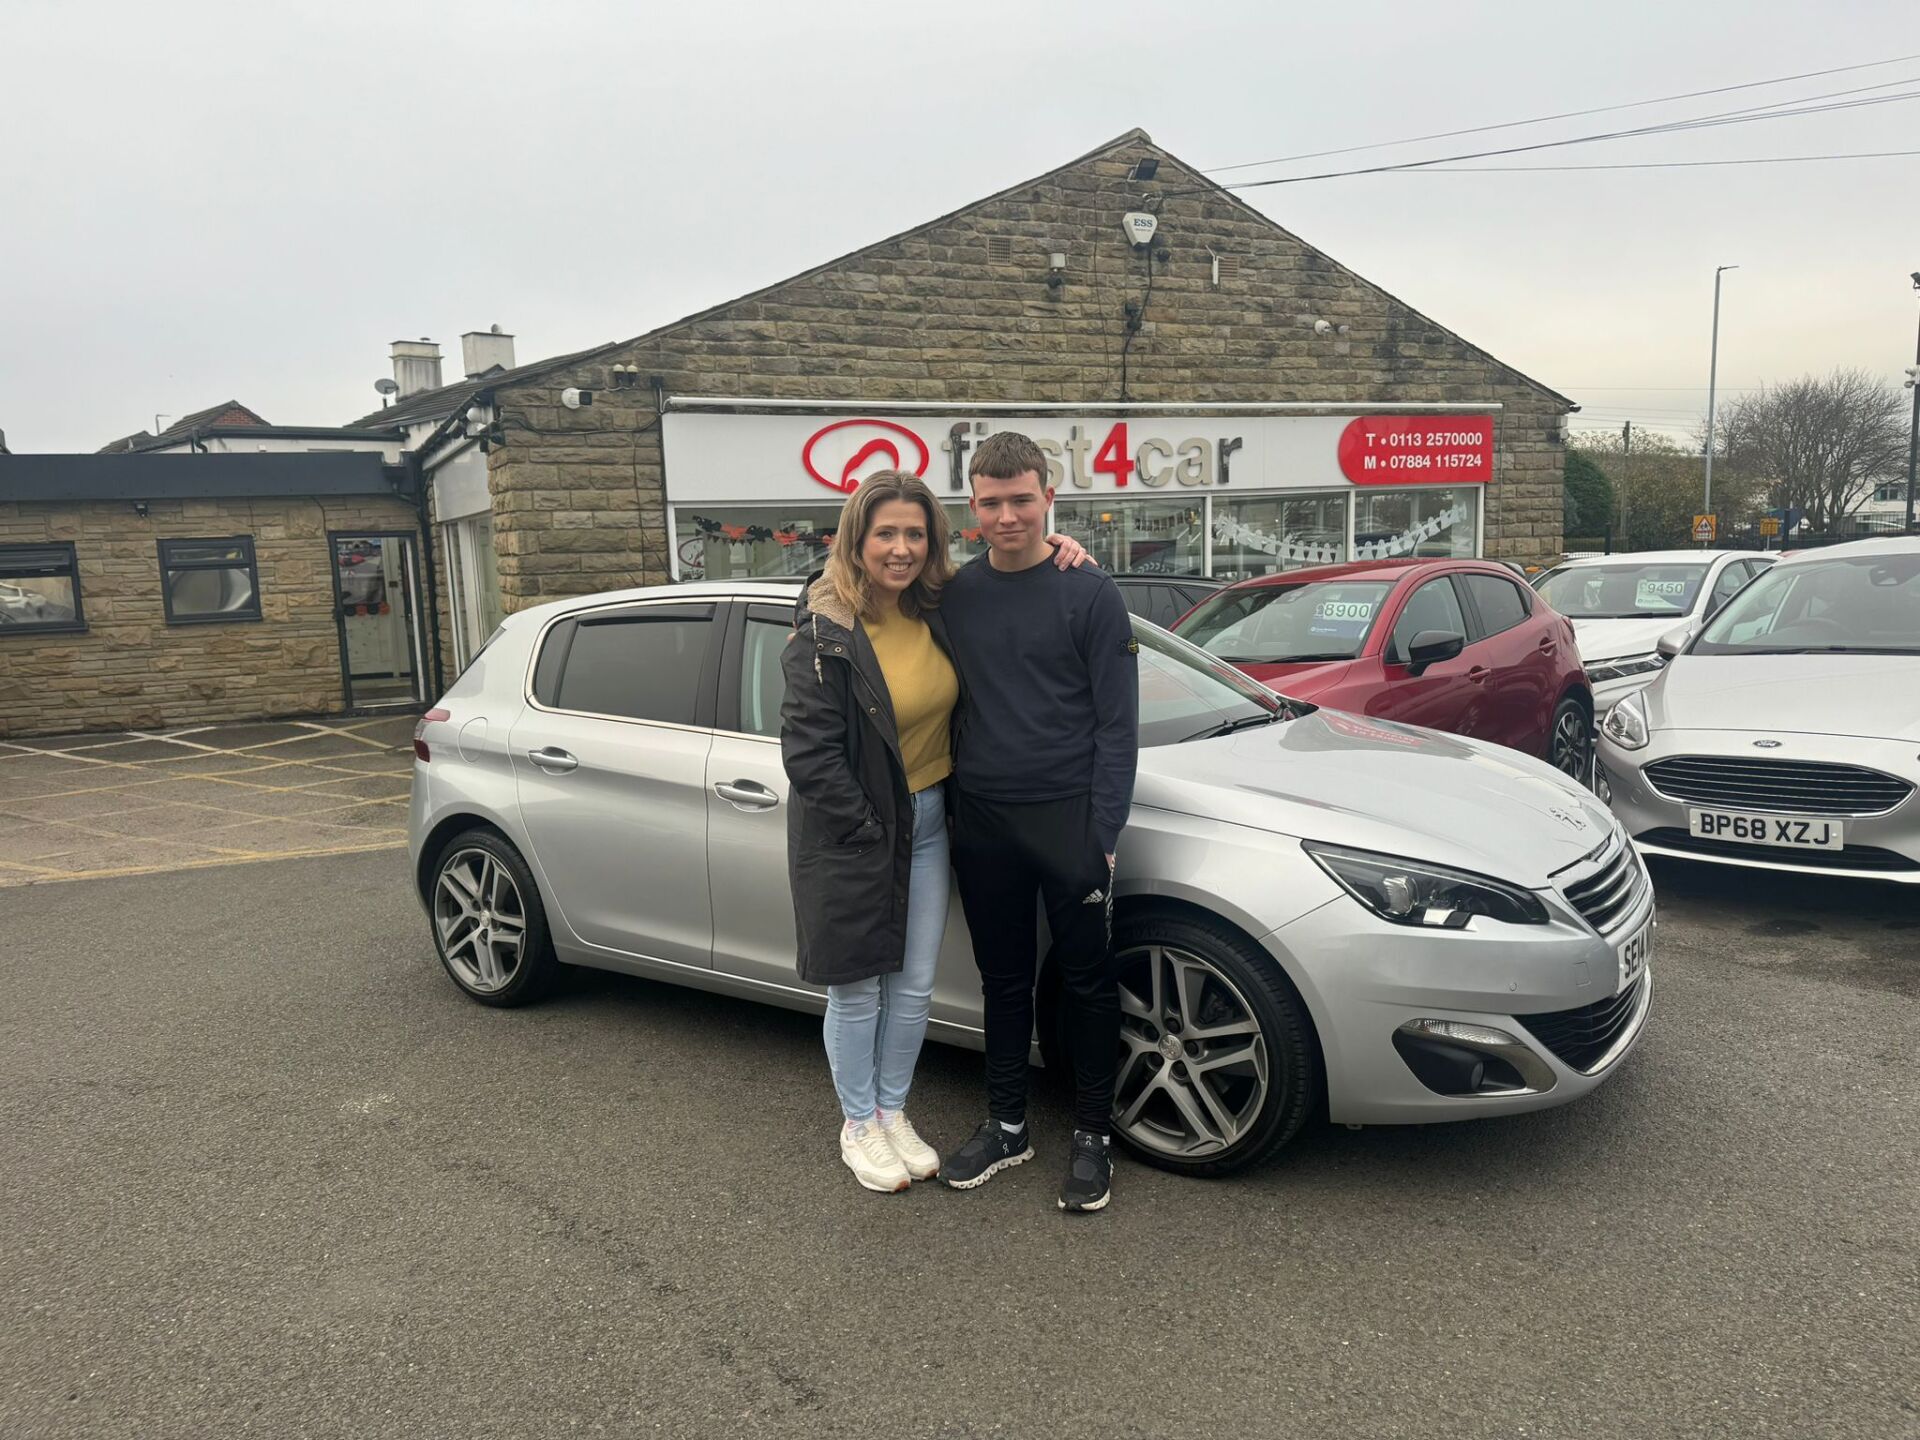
<point>865,736</point>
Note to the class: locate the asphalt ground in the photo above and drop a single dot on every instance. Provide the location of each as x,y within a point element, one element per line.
<point>264,1172</point>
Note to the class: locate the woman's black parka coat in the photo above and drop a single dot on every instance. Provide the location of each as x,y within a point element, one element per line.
<point>849,814</point>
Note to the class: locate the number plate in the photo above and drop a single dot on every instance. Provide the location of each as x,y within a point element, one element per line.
<point>1789,832</point>
<point>1635,951</point>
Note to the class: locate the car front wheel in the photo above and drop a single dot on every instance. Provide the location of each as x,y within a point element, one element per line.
<point>1570,742</point>
<point>489,926</point>
<point>1218,1064</point>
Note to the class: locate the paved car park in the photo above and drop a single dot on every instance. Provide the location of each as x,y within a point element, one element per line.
<point>88,806</point>
<point>265,1172</point>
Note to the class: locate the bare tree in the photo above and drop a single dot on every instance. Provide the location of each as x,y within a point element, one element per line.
<point>1818,444</point>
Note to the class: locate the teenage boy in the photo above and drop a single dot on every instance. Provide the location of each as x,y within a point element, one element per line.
<point>1043,777</point>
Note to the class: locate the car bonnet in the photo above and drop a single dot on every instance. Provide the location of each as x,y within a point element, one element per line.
<point>1375,785</point>
<point>1873,696</point>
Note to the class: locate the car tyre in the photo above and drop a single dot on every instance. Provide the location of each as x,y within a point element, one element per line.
<point>1570,741</point>
<point>489,926</point>
<point>1241,1035</point>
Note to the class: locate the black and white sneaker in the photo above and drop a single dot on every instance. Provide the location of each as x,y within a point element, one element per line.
<point>1089,1183</point>
<point>992,1149</point>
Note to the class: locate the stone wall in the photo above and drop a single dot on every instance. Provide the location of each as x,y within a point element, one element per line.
<point>932,315</point>
<point>130,669</point>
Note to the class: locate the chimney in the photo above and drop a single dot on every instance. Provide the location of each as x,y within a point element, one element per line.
<point>481,350</point>
<point>416,366</point>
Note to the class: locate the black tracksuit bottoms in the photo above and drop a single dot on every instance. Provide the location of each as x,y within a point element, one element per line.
<point>1004,855</point>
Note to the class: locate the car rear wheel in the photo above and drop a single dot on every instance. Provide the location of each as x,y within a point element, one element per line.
<point>1218,1065</point>
<point>1570,742</point>
<point>488,924</point>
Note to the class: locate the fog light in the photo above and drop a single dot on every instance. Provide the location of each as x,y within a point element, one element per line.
<point>1472,1034</point>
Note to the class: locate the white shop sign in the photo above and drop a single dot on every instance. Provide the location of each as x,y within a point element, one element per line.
<point>786,458</point>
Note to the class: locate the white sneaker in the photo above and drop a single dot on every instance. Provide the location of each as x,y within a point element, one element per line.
<point>921,1159</point>
<point>866,1151</point>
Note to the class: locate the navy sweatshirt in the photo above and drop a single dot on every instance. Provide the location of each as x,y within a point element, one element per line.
<point>1053,697</point>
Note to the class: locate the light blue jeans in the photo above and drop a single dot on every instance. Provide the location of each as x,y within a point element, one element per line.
<point>875,1027</point>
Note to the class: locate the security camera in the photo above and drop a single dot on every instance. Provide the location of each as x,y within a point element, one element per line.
<point>1323,327</point>
<point>573,398</point>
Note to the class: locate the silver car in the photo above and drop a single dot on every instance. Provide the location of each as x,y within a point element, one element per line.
<point>1621,605</point>
<point>1785,734</point>
<point>1310,906</point>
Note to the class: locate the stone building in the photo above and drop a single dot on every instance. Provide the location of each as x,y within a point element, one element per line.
<point>1197,391</point>
<point>1220,399</point>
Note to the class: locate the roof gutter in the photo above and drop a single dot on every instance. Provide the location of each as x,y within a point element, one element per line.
<point>1092,407</point>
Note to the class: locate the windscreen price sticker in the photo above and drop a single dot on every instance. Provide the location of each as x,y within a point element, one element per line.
<point>1360,610</point>
<point>1418,450</point>
<point>1658,592</point>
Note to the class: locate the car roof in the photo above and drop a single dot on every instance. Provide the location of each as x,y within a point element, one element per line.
<point>1881,545</point>
<point>780,590</point>
<point>1372,570</point>
<point>1652,557</point>
<point>1164,577</point>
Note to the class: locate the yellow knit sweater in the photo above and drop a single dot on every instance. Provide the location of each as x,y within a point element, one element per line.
<point>924,688</point>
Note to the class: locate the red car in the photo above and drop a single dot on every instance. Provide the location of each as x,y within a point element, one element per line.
<point>1457,645</point>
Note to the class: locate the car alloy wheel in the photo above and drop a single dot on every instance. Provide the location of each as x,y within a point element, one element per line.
<point>1569,749</point>
<point>1193,1070</point>
<point>481,920</point>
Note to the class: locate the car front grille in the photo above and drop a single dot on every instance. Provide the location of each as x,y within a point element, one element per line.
<point>1582,1037</point>
<point>1801,787</point>
<point>1606,895</point>
<point>1852,857</point>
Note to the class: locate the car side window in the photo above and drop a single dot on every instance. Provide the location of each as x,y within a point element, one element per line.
<point>1434,606</point>
<point>1138,600</point>
<point>645,663</point>
<point>763,684</point>
<point>1500,603</point>
<point>1731,579</point>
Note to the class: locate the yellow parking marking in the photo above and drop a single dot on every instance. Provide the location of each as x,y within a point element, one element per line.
<point>238,858</point>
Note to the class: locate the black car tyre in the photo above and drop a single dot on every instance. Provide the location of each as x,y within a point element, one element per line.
<point>1570,741</point>
<point>489,926</point>
<point>1218,1062</point>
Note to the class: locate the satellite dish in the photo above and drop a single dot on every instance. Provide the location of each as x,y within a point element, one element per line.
<point>386,387</point>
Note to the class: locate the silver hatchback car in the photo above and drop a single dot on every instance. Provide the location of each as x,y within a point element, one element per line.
<point>1310,906</point>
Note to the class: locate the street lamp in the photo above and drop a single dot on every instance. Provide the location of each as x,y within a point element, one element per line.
<point>1713,376</point>
<point>1913,434</point>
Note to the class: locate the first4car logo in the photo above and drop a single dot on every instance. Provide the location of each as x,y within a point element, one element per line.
<point>844,453</point>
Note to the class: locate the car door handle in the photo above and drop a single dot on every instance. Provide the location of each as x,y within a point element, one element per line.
<point>553,760</point>
<point>1546,647</point>
<point>746,795</point>
<point>1478,674</point>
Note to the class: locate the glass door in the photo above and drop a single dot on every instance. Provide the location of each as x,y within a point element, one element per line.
<point>376,607</point>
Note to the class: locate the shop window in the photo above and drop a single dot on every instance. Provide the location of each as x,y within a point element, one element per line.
<point>1269,533</point>
<point>1434,521</point>
<point>1139,537</point>
<point>749,542</point>
<point>209,581</point>
<point>39,589</point>
<point>473,582</point>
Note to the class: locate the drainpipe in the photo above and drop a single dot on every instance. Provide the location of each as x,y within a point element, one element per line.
<point>417,473</point>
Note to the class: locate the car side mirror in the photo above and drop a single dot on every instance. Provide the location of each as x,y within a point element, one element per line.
<point>1430,647</point>
<point>1674,641</point>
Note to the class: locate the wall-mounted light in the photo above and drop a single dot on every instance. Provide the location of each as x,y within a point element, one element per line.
<point>140,508</point>
<point>1056,272</point>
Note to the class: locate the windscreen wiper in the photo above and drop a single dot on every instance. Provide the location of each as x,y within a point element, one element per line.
<point>1245,722</point>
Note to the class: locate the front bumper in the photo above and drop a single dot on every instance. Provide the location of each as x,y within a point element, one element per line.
<point>1882,847</point>
<point>1371,983</point>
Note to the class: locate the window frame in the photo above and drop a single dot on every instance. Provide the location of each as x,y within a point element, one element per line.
<point>221,617</point>
<point>716,614</point>
<point>746,612</point>
<point>70,571</point>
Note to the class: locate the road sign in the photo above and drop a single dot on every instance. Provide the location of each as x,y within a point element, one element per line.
<point>1770,526</point>
<point>1704,527</point>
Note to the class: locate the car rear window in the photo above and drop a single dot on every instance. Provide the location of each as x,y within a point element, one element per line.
<point>645,663</point>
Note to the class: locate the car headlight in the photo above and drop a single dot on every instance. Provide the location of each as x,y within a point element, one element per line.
<point>1427,895</point>
<point>1626,723</point>
<point>1626,665</point>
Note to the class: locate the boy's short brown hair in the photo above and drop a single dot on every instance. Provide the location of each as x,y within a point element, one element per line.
<point>1007,456</point>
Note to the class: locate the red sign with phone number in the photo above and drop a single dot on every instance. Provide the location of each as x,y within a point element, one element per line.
<point>1418,450</point>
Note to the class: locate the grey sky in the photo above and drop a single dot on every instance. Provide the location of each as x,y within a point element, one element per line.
<point>201,202</point>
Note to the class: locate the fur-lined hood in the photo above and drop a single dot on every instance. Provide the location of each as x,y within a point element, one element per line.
<point>819,599</point>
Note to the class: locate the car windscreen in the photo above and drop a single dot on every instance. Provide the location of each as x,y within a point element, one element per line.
<point>1626,591</point>
<point>1859,604</point>
<point>1186,693</point>
<point>1282,624</point>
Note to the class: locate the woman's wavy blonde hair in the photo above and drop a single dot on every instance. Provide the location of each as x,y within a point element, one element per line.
<point>848,576</point>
